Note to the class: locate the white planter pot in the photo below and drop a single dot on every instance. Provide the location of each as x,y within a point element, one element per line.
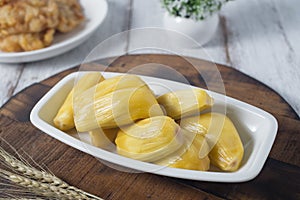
<point>201,31</point>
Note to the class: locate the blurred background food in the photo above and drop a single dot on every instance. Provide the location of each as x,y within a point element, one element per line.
<point>27,25</point>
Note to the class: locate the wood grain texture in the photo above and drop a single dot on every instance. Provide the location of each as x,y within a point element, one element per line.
<point>87,173</point>
<point>269,184</point>
<point>259,38</point>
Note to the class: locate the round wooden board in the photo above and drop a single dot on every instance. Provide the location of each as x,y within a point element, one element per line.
<point>279,179</point>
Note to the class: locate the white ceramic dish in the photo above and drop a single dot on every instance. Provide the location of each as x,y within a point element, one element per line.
<point>95,12</point>
<point>256,127</point>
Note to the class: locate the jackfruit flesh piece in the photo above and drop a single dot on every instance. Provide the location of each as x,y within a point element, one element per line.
<point>64,119</point>
<point>104,138</point>
<point>115,109</point>
<point>226,146</point>
<point>189,156</point>
<point>184,103</point>
<point>118,83</point>
<point>149,139</point>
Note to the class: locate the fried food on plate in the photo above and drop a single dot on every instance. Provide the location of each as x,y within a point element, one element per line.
<point>27,41</point>
<point>28,16</point>
<point>27,25</point>
<point>2,2</point>
<point>70,15</point>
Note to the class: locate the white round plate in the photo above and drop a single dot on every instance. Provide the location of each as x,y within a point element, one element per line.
<point>95,12</point>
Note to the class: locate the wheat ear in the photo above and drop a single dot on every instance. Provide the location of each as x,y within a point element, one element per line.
<point>42,188</point>
<point>35,179</point>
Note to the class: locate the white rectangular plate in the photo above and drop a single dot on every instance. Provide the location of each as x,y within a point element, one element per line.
<point>256,127</point>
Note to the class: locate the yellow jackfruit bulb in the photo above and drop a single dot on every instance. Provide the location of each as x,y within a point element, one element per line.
<point>183,103</point>
<point>117,83</point>
<point>115,109</point>
<point>104,138</point>
<point>190,155</point>
<point>87,81</point>
<point>149,139</point>
<point>64,119</point>
<point>226,146</point>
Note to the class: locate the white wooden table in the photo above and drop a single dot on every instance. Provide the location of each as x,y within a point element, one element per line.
<point>260,38</point>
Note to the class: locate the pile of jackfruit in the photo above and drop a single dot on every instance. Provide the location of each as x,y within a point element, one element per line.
<point>175,129</point>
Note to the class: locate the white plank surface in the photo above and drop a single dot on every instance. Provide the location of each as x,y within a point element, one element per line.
<point>9,76</point>
<point>258,37</point>
<point>263,43</point>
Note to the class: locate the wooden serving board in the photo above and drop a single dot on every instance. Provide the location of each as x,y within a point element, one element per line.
<point>279,179</point>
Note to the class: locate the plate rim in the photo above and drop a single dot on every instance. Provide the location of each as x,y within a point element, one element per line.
<point>233,177</point>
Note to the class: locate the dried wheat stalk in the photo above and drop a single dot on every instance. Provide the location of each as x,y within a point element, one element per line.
<point>40,182</point>
<point>42,188</point>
